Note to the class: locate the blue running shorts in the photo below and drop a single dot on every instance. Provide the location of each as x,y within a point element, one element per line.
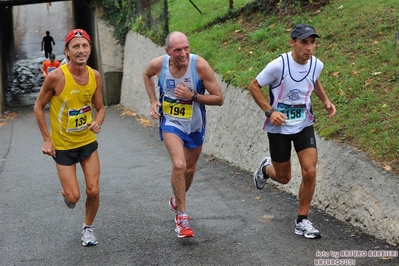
<point>190,141</point>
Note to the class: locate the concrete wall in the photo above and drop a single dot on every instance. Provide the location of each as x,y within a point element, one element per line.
<point>7,50</point>
<point>111,54</point>
<point>349,186</point>
<point>110,58</point>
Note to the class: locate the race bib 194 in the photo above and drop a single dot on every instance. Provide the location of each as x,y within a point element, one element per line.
<point>177,108</point>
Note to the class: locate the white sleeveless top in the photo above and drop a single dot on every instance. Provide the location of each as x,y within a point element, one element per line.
<point>183,114</point>
<point>290,87</point>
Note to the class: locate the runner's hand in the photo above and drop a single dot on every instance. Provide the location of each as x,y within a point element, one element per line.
<point>95,127</point>
<point>48,148</point>
<point>154,114</point>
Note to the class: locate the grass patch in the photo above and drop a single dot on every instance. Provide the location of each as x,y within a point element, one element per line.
<point>361,62</point>
<point>183,16</point>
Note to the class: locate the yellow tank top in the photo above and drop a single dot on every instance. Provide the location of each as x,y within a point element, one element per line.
<point>70,112</point>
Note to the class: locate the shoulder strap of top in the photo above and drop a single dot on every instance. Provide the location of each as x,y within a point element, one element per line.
<point>193,69</point>
<point>282,59</point>
<point>164,68</point>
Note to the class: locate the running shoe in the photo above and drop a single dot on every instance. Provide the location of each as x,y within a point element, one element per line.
<point>70,205</point>
<point>172,203</point>
<point>260,178</point>
<point>88,237</point>
<point>183,228</point>
<point>306,229</point>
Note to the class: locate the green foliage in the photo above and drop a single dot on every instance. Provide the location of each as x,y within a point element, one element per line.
<point>183,16</point>
<point>120,14</point>
<point>125,15</point>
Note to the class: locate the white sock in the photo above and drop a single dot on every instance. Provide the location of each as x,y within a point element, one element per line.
<point>85,225</point>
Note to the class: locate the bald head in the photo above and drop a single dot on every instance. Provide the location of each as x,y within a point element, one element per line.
<point>175,37</point>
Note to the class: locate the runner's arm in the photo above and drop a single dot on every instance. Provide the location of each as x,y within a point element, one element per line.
<point>45,94</point>
<point>259,97</point>
<point>321,94</point>
<point>97,101</point>
<point>42,69</point>
<point>153,69</point>
<point>207,75</point>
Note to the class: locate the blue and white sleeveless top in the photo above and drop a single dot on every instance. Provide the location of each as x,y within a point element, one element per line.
<point>290,87</point>
<point>184,114</point>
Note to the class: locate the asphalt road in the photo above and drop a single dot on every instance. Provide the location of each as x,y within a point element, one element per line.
<point>234,223</point>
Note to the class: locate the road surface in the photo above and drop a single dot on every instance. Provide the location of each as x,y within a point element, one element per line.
<point>234,223</point>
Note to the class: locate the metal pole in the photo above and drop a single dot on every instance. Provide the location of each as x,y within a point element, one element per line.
<point>195,6</point>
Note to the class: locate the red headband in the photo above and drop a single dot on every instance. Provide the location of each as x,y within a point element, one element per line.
<point>77,33</point>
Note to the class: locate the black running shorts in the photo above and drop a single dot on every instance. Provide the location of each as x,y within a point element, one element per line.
<point>70,157</point>
<point>280,144</point>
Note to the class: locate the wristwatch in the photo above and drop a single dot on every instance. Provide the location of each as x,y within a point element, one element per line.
<point>194,98</point>
<point>269,113</point>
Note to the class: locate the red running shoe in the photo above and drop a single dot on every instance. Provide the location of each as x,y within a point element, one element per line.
<point>183,228</point>
<point>172,203</point>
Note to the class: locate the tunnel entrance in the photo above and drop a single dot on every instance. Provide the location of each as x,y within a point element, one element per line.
<point>30,25</point>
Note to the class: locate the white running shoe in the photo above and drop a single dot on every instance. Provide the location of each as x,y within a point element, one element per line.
<point>260,178</point>
<point>306,229</point>
<point>88,237</point>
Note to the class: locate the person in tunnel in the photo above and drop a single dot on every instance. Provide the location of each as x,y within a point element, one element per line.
<point>48,4</point>
<point>47,44</point>
<point>72,90</point>
<point>49,65</point>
